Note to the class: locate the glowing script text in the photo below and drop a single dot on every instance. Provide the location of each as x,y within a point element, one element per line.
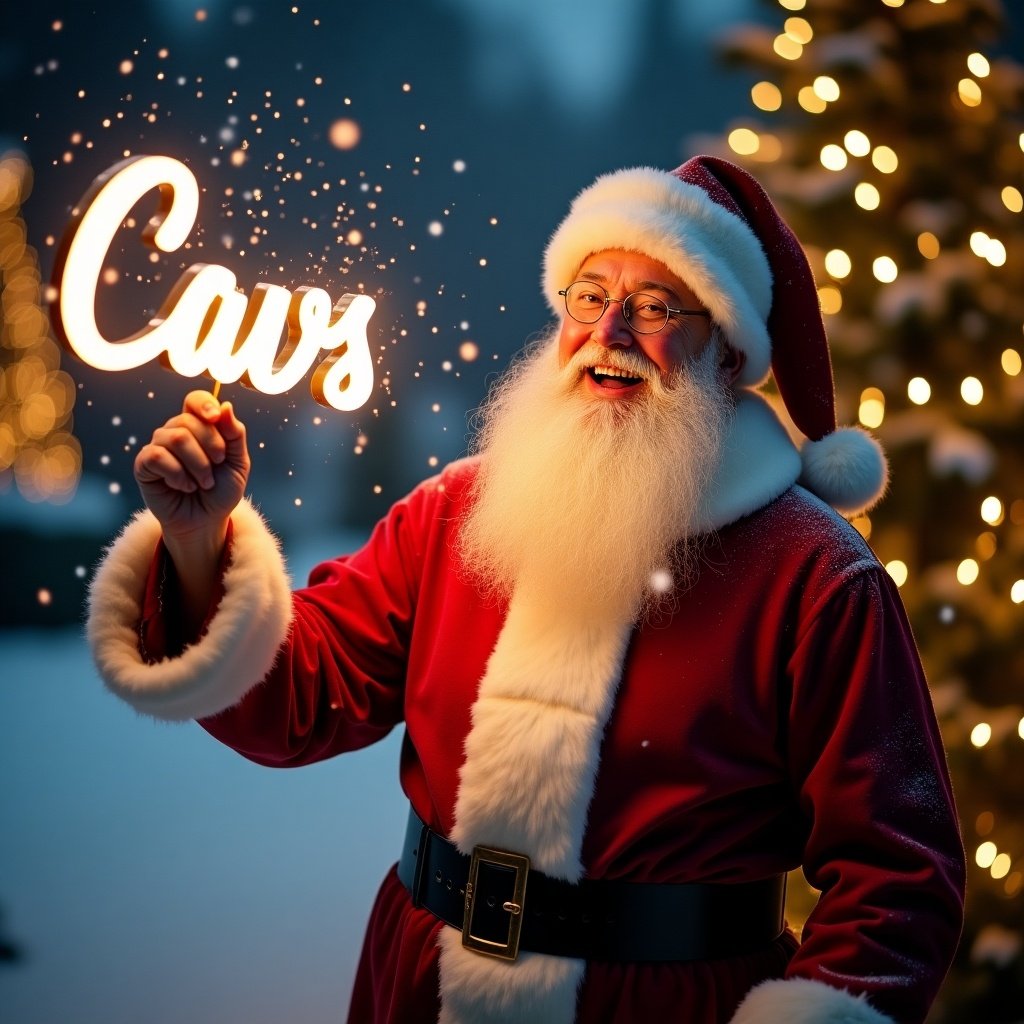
<point>205,324</point>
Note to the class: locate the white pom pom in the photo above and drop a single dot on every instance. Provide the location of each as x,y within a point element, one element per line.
<point>846,468</point>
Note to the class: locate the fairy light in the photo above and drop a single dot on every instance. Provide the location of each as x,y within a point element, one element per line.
<point>967,572</point>
<point>985,854</point>
<point>986,545</point>
<point>898,571</point>
<point>769,149</point>
<point>830,299</point>
<point>1011,362</point>
<point>971,390</point>
<point>799,30</point>
<point>793,5</point>
<point>866,196</point>
<point>978,65</point>
<point>766,96</point>
<point>981,734</point>
<point>893,3</point>
<point>1001,865</point>
<point>857,143</point>
<point>838,263</point>
<point>826,88</point>
<point>872,407</point>
<point>787,47</point>
<point>810,101</point>
<point>744,141</point>
<point>833,157</point>
<point>988,248</point>
<point>969,92</point>
<point>885,270</point>
<point>992,510</point>
<point>919,390</point>
<point>884,158</point>
<point>928,245</point>
<point>1012,198</point>
<point>1017,597</point>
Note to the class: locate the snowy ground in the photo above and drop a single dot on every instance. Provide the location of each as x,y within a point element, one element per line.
<point>149,874</point>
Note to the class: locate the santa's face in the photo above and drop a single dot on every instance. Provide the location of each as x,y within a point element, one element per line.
<point>623,349</point>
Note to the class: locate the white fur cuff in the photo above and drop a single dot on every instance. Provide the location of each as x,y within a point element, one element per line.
<point>802,1001</point>
<point>237,651</point>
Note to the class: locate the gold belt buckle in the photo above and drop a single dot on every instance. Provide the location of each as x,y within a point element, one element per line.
<point>520,863</point>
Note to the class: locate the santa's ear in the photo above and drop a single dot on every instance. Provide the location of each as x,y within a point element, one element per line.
<point>732,362</point>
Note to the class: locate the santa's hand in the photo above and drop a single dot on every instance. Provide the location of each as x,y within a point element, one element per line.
<point>194,470</point>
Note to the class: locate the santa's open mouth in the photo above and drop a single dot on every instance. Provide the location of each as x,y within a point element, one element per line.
<point>612,378</point>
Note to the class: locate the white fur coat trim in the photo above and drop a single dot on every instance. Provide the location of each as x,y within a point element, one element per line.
<point>236,653</point>
<point>759,462</point>
<point>803,1001</point>
<point>525,785</point>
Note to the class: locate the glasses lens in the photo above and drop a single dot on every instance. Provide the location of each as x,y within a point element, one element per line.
<point>645,313</point>
<point>585,301</point>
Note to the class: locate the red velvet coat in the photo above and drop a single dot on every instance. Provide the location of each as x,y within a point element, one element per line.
<point>779,718</point>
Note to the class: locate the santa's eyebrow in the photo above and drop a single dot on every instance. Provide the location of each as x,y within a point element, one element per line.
<point>641,286</point>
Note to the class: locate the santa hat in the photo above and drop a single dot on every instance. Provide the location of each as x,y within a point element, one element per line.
<point>714,227</point>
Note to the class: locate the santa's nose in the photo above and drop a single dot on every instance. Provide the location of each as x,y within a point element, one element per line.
<point>613,328</point>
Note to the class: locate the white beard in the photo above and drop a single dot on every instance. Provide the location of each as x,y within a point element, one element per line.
<point>583,502</point>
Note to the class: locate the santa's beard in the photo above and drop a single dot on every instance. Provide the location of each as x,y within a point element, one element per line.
<point>593,507</point>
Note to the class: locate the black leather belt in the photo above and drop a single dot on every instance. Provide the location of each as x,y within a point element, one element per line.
<point>501,905</point>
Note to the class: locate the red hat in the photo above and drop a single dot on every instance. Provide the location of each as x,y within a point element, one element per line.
<point>713,226</point>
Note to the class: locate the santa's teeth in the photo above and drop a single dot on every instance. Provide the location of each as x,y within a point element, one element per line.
<point>611,371</point>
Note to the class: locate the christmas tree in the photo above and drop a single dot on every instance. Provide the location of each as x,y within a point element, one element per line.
<point>38,452</point>
<point>890,133</point>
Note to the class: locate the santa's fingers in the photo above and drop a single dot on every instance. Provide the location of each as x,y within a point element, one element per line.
<point>197,455</point>
<point>156,464</point>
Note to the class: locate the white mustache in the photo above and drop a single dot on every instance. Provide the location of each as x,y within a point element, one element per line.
<point>630,361</point>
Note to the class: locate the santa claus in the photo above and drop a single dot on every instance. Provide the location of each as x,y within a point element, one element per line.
<point>644,666</point>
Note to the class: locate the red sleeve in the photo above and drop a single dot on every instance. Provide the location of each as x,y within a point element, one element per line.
<point>883,846</point>
<point>339,680</point>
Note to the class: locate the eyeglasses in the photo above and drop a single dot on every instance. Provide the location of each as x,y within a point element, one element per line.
<point>645,314</point>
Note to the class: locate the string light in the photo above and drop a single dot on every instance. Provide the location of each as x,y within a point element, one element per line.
<point>898,571</point>
<point>969,92</point>
<point>992,510</point>
<point>928,245</point>
<point>799,30</point>
<point>981,734</point>
<point>1001,865</point>
<point>971,390</point>
<point>766,96</point>
<point>893,3</point>
<point>986,852</point>
<point>1012,199</point>
<point>866,196</point>
<point>978,65</point>
<point>833,157</point>
<point>810,100</point>
<point>793,5</point>
<point>830,299</point>
<point>872,407</point>
<point>967,572</point>
<point>857,143</point>
<point>1011,362</point>
<point>838,263</point>
<point>919,390</point>
<point>1017,597</point>
<point>787,47</point>
<point>826,88</point>
<point>885,159</point>
<point>744,141</point>
<point>885,270</point>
